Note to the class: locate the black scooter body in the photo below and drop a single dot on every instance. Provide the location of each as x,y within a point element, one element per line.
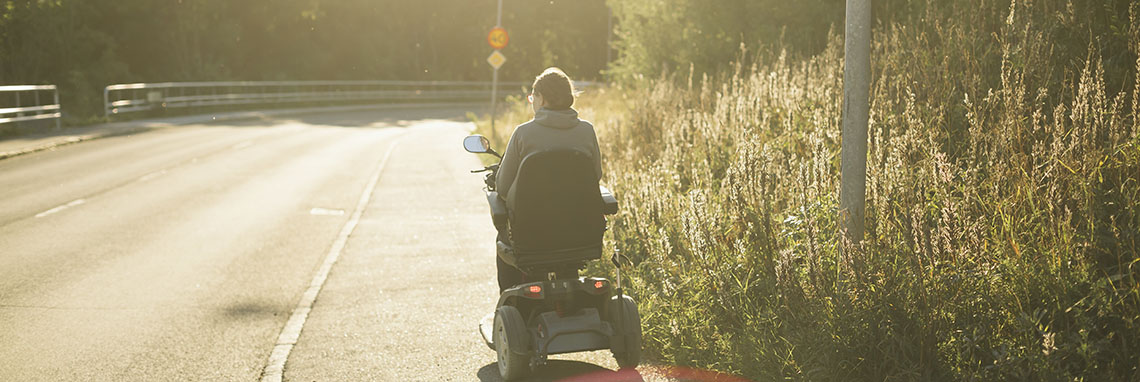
<point>556,315</point>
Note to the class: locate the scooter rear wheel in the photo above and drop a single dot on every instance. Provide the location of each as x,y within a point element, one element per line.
<point>511,343</point>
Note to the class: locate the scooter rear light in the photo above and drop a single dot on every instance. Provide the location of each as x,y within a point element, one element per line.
<point>534,291</point>
<point>599,284</point>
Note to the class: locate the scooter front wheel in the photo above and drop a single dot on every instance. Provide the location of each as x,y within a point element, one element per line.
<point>624,316</point>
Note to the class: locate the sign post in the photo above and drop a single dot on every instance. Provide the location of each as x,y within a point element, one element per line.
<point>856,109</point>
<point>496,60</point>
<point>498,39</point>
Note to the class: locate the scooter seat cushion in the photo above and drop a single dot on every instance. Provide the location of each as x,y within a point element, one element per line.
<point>547,260</point>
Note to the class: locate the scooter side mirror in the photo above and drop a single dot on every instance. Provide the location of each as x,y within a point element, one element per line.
<point>478,144</point>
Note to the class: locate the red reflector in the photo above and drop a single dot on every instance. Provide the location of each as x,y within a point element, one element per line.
<point>599,285</point>
<point>534,289</point>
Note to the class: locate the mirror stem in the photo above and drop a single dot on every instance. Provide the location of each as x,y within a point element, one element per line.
<point>492,152</point>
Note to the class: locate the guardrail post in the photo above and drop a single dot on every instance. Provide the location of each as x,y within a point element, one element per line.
<point>58,118</point>
<point>107,102</point>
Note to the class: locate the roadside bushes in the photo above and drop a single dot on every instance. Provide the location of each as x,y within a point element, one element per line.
<point>1003,206</point>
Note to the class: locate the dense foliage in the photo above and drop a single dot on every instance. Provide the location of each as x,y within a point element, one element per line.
<point>660,36</point>
<point>84,45</point>
<point>1003,205</point>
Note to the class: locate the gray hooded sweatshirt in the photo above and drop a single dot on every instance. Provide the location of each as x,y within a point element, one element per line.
<point>550,129</point>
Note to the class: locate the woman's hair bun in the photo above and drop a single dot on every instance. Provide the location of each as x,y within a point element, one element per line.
<point>555,88</point>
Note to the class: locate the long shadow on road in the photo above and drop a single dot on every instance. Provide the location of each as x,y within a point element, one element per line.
<point>565,371</point>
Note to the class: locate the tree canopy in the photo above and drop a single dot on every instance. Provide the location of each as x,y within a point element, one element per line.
<point>84,45</point>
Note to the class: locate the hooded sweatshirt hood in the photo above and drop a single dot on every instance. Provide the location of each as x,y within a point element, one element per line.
<point>558,119</point>
<point>549,130</point>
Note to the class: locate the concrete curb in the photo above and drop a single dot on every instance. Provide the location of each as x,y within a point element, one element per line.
<point>67,140</point>
<point>133,127</point>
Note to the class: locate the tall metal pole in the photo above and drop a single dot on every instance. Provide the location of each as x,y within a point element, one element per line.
<point>494,97</point>
<point>499,15</point>
<point>856,109</point>
<point>495,75</point>
<point>609,34</point>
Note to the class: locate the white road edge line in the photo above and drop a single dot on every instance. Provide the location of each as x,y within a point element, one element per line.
<point>73,203</point>
<point>274,370</point>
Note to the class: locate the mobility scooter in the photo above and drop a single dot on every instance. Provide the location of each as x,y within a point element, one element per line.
<point>555,227</point>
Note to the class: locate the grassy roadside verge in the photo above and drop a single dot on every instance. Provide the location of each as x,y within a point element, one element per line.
<point>1003,214</point>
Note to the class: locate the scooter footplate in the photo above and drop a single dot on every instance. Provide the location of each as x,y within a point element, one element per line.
<point>486,325</point>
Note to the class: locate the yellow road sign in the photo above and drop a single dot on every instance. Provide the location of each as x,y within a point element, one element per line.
<point>496,59</point>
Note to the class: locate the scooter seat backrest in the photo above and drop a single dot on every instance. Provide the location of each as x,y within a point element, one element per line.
<point>557,206</point>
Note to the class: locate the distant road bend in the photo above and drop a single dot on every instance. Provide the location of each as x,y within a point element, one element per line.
<point>181,253</point>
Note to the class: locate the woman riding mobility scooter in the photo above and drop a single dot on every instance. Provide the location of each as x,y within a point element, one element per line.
<point>555,227</point>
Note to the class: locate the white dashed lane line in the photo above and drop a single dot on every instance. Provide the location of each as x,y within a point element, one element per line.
<point>275,367</point>
<point>325,212</point>
<point>152,175</point>
<point>73,203</point>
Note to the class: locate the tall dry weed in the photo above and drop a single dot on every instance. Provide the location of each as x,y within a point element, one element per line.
<point>1003,206</point>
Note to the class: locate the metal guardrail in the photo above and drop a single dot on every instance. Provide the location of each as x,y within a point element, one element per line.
<point>21,94</point>
<point>125,98</point>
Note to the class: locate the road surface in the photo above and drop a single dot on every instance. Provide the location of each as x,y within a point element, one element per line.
<point>182,253</point>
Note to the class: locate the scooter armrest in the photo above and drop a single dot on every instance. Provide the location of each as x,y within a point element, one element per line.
<point>609,202</point>
<point>498,210</point>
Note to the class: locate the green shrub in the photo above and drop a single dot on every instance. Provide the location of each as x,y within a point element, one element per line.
<point>1003,205</point>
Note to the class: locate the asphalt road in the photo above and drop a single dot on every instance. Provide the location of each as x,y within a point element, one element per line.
<point>180,254</point>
